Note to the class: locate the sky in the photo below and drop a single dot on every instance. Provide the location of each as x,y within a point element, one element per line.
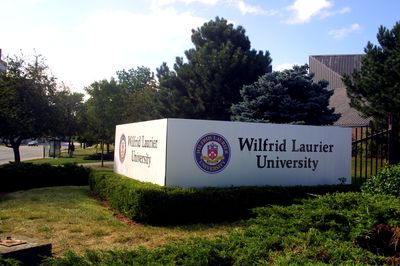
<point>89,40</point>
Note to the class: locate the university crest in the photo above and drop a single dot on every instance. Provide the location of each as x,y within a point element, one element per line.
<point>212,153</point>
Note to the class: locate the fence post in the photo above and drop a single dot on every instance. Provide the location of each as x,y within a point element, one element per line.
<point>393,145</point>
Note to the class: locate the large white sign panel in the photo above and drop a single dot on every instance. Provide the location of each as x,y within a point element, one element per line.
<point>140,150</point>
<point>197,153</point>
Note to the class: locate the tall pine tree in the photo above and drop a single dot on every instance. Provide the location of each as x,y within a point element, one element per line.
<point>220,63</point>
<point>374,90</point>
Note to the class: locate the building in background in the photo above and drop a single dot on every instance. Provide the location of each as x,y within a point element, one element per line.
<point>332,68</point>
<point>3,64</point>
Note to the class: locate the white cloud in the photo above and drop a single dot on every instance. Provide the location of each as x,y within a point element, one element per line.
<point>285,66</point>
<point>104,42</point>
<point>342,11</point>
<point>163,3</point>
<point>304,10</point>
<point>246,8</point>
<point>241,5</point>
<point>344,32</point>
<point>122,39</point>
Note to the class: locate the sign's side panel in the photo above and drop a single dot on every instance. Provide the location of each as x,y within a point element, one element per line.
<point>216,153</point>
<point>140,150</point>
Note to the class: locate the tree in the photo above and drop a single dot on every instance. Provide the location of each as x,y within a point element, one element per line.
<point>142,105</point>
<point>289,96</point>
<point>68,105</point>
<point>135,79</point>
<point>105,109</point>
<point>26,101</point>
<point>374,90</point>
<point>220,63</point>
<point>140,89</point>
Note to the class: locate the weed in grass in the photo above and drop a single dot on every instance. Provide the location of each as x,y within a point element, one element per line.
<point>34,217</point>
<point>45,229</point>
<point>75,229</point>
<point>126,239</point>
<point>99,233</point>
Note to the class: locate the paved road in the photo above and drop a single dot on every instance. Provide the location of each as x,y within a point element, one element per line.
<point>27,153</point>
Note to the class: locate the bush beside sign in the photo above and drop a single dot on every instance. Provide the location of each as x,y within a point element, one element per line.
<point>198,153</point>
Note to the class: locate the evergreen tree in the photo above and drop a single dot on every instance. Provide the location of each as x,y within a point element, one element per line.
<point>220,63</point>
<point>289,96</point>
<point>374,90</point>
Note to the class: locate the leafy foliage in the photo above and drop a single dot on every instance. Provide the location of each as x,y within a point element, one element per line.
<point>26,101</point>
<point>321,231</point>
<point>153,204</point>
<point>135,79</point>
<point>20,176</point>
<point>69,106</point>
<point>387,182</point>
<point>104,109</point>
<point>289,96</point>
<point>9,262</point>
<point>130,98</point>
<point>220,63</point>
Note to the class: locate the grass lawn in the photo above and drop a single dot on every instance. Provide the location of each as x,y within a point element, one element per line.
<point>78,157</point>
<point>72,220</point>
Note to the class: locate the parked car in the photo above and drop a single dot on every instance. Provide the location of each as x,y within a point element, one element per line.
<point>33,143</point>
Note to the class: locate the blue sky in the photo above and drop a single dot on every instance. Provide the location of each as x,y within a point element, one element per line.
<point>89,40</point>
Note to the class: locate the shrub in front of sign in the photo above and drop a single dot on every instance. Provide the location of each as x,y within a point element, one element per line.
<point>21,176</point>
<point>387,181</point>
<point>154,204</point>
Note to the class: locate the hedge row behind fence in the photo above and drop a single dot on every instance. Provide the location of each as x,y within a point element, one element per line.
<point>21,176</point>
<point>154,204</point>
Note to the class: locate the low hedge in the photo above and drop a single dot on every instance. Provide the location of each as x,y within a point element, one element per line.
<point>21,176</point>
<point>97,156</point>
<point>154,204</point>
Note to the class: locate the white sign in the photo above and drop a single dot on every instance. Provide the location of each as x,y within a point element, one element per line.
<point>198,153</point>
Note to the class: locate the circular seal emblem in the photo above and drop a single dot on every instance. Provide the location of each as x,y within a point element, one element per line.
<point>122,148</point>
<point>212,153</point>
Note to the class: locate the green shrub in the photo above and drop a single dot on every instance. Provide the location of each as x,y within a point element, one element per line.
<point>154,204</point>
<point>9,262</point>
<point>97,156</point>
<point>20,176</point>
<point>321,231</point>
<point>387,181</point>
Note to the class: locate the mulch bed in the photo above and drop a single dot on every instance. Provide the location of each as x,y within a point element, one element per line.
<point>383,240</point>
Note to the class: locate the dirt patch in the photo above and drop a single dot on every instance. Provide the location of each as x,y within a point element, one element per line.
<point>383,240</point>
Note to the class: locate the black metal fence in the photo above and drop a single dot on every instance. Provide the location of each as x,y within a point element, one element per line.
<point>369,152</point>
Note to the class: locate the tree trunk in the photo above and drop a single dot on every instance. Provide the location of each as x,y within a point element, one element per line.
<point>394,141</point>
<point>17,155</point>
<point>14,144</point>
<point>108,148</point>
<point>102,152</point>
